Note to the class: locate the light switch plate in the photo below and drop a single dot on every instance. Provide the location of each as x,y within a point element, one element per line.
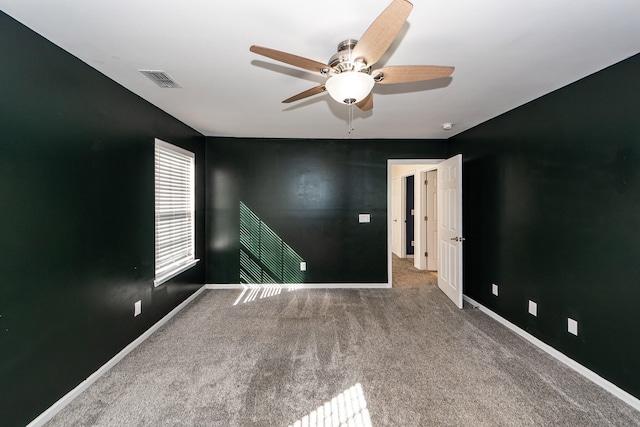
<point>533,308</point>
<point>494,289</point>
<point>303,266</point>
<point>365,217</point>
<point>137,308</point>
<point>572,326</point>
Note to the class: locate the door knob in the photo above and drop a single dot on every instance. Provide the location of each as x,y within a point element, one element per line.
<point>458,239</point>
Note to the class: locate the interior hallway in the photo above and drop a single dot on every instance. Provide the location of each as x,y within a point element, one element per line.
<point>405,275</point>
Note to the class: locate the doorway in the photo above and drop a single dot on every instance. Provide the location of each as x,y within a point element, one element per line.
<point>436,214</point>
<point>403,174</point>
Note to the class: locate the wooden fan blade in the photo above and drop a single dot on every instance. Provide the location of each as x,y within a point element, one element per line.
<point>410,73</point>
<point>366,104</point>
<point>287,58</point>
<point>307,93</point>
<point>382,32</point>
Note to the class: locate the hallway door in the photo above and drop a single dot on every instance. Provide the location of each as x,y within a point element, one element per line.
<point>450,228</point>
<point>409,214</point>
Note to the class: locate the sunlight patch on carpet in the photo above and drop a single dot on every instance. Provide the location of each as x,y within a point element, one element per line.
<point>349,408</point>
<point>255,291</point>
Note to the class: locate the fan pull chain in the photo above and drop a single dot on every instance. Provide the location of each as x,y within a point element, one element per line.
<point>350,127</point>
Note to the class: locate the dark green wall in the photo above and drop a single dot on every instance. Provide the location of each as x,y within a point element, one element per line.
<point>552,213</point>
<point>309,192</point>
<point>76,220</point>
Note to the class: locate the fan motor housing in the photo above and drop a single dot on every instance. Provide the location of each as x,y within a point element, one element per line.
<point>343,61</point>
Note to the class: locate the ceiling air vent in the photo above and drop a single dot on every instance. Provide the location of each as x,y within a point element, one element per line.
<point>160,78</point>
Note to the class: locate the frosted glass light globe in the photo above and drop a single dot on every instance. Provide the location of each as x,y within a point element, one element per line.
<point>349,87</point>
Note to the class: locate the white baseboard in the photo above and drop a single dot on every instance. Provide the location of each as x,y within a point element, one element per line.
<point>240,286</point>
<point>67,398</point>
<point>581,369</point>
<point>587,373</point>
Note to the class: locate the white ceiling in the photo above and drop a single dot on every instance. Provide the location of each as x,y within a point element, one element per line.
<point>506,52</point>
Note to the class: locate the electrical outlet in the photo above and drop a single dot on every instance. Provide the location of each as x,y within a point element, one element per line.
<point>137,308</point>
<point>533,308</point>
<point>364,217</point>
<point>494,289</point>
<point>303,266</point>
<point>572,326</point>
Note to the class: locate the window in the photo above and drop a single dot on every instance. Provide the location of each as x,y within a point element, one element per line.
<point>174,211</point>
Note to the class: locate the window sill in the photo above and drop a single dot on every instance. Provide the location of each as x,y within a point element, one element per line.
<point>173,273</point>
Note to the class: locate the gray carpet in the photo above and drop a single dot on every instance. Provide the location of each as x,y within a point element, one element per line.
<point>394,357</point>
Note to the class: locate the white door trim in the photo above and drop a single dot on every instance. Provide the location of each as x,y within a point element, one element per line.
<point>403,216</point>
<point>431,226</point>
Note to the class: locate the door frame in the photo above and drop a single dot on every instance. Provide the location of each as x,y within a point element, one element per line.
<point>425,165</point>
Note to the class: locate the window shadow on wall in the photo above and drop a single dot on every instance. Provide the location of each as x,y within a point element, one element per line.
<point>264,256</point>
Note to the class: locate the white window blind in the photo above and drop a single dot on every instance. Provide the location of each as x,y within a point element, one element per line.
<point>174,210</point>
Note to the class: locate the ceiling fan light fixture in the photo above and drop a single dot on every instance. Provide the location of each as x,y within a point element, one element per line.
<point>349,87</point>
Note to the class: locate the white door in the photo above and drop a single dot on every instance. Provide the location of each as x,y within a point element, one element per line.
<point>450,228</point>
<point>396,232</point>
<point>432,220</point>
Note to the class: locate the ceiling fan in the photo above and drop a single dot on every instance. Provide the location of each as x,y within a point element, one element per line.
<point>349,75</point>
